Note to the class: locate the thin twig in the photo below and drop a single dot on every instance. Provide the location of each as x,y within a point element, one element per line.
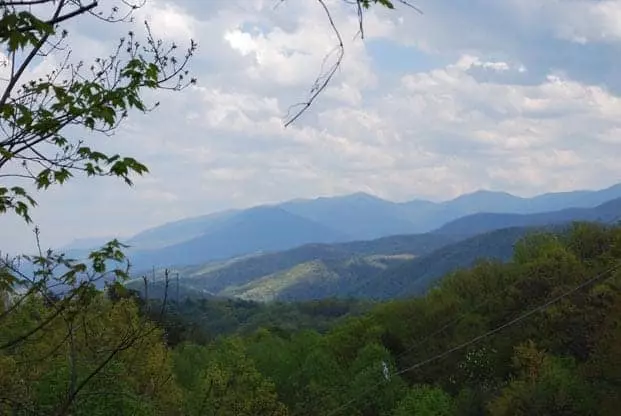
<point>322,80</point>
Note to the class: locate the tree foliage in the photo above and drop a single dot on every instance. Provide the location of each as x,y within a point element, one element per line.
<point>71,351</point>
<point>45,122</point>
<point>438,355</point>
<point>537,335</point>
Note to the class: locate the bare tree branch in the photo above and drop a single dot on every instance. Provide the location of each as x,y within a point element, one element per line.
<point>323,79</point>
<point>326,75</point>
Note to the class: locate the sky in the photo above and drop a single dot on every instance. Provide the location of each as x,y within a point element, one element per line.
<point>521,96</point>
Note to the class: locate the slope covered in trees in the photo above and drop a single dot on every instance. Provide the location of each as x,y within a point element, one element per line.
<point>308,265</point>
<point>384,268</point>
<point>608,212</point>
<point>390,267</point>
<point>537,335</point>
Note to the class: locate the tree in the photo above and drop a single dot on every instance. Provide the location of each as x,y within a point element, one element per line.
<point>44,123</point>
<point>223,380</point>
<point>47,125</point>
<point>38,117</point>
<point>425,400</point>
<point>544,385</point>
<point>373,372</point>
<point>107,359</point>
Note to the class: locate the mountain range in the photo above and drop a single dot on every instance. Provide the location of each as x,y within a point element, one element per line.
<point>277,227</point>
<point>387,267</point>
<point>470,225</point>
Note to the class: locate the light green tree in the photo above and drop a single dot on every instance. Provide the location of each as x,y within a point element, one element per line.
<point>222,380</point>
<point>424,400</point>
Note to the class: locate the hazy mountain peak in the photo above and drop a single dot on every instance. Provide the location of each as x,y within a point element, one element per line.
<point>363,195</point>
<point>357,216</point>
<point>263,210</point>
<point>322,200</point>
<point>485,193</point>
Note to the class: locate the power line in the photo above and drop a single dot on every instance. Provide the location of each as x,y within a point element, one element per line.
<point>454,321</point>
<point>513,321</point>
<point>490,332</point>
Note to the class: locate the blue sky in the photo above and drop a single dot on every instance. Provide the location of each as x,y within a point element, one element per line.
<point>520,96</point>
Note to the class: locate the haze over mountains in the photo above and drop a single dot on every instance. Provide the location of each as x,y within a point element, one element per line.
<point>385,268</point>
<point>313,249</point>
<point>355,217</point>
<point>470,225</point>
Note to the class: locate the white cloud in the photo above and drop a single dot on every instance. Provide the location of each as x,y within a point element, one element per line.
<point>587,21</point>
<point>469,61</point>
<point>168,20</point>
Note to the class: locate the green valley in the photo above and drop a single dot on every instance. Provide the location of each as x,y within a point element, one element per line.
<point>538,332</point>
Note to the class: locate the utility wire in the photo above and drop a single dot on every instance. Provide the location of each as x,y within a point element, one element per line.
<point>513,321</point>
<point>454,321</point>
<point>493,331</point>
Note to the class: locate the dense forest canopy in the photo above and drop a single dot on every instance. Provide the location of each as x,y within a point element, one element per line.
<point>536,335</point>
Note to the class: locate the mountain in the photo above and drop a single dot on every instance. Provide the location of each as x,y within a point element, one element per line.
<point>178,231</point>
<point>254,230</point>
<point>388,267</point>
<point>364,216</point>
<point>360,215</point>
<point>80,244</point>
<point>576,199</point>
<point>418,244</point>
<point>470,225</point>
<point>226,277</point>
<point>217,277</point>
<point>485,200</point>
<point>175,291</point>
<point>320,271</point>
<point>380,277</point>
<point>385,268</point>
<point>416,276</point>
<point>430,217</point>
<point>354,217</point>
<point>317,279</point>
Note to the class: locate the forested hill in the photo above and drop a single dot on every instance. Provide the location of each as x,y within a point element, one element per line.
<point>231,277</point>
<point>416,276</point>
<point>538,335</point>
<point>608,212</point>
<point>387,268</point>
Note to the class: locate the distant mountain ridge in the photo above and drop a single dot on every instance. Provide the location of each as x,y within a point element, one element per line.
<point>384,268</point>
<point>608,212</point>
<point>355,217</point>
<point>256,229</point>
<point>218,277</point>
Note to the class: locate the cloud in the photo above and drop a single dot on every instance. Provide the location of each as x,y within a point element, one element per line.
<point>169,20</point>
<point>515,96</point>
<point>579,21</point>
